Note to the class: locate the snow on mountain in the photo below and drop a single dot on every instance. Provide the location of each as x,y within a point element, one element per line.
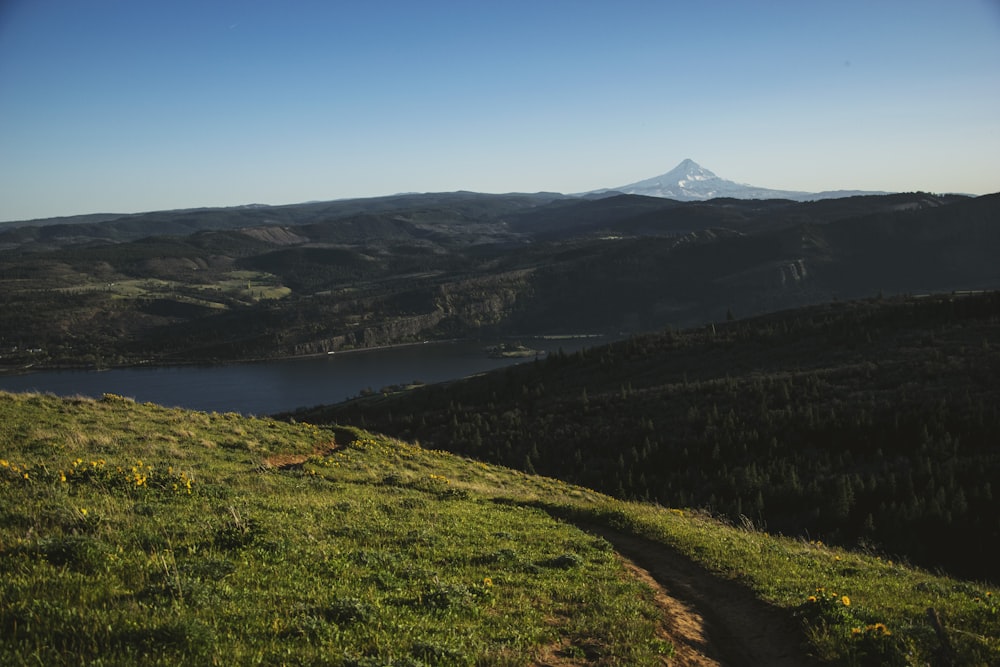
<point>689,181</point>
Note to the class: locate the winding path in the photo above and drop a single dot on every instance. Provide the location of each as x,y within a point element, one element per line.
<point>709,620</point>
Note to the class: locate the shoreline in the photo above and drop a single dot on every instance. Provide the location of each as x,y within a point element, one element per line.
<point>42,368</point>
<point>34,367</point>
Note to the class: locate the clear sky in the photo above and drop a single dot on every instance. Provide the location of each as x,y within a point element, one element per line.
<point>135,105</point>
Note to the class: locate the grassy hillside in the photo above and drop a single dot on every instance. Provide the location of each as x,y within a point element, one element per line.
<point>135,534</point>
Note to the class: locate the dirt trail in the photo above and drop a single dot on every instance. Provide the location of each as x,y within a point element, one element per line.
<point>710,621</point>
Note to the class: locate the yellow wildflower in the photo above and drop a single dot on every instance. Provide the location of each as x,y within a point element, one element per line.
<point>846,600</point>
<point>811,598</point>
<point>83,511</point>
<point>62,477</point>
<point>488,582</point>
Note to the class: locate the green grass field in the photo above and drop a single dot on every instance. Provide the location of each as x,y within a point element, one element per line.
<point>243,286</point>
<point>136,534</point>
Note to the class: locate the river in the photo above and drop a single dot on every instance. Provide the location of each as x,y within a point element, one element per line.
<point>267,387</point>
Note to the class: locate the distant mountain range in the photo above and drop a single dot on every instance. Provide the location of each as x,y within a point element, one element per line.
<point>689,181</point>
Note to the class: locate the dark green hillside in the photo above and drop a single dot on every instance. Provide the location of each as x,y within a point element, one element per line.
<point>51,233</point>
<point>313,269</point>
<point>917,251</point>
<point>870,423</point>
<point>636,214</point>
<point>824,211</point>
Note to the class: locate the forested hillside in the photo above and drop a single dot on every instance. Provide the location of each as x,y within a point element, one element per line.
<point>871,423</point>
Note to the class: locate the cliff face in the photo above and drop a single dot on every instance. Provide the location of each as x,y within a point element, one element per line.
<point>462,308</point>
<point>484,301</point>
<point>388,332</point>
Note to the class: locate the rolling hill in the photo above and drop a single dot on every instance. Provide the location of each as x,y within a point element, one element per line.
<point>139,535</point>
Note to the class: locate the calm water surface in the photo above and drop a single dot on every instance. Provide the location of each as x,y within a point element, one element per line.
<point>273,386</point>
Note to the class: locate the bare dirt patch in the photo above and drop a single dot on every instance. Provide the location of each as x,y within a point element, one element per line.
<point>681,624</point>
<point>294,461</point>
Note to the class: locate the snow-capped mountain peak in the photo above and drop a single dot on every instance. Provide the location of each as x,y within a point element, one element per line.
<point>689,181</point>
<point>689,170</point>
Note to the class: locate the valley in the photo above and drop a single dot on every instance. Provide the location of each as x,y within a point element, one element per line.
<point>801,405</point>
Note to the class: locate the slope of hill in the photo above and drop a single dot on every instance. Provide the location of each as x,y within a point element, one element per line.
<point>139,535</point>
<point>868,423</point>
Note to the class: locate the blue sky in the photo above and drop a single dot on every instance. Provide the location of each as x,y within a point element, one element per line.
<point>134,105</point>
